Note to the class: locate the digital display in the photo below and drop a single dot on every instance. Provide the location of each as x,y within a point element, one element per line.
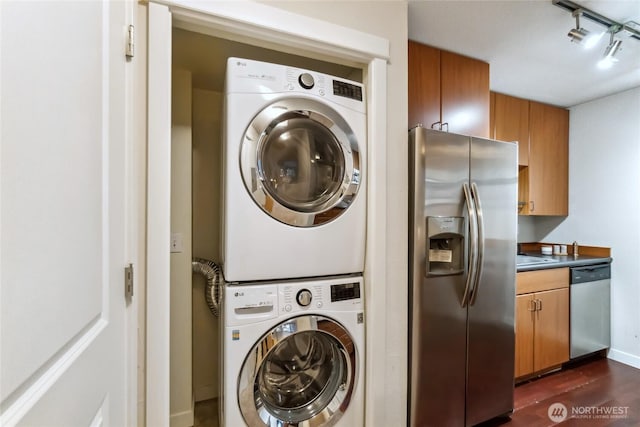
<point>347,90</point>
<point>345,291</point>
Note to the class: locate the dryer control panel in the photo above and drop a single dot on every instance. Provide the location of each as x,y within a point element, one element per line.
<point>249,76</point>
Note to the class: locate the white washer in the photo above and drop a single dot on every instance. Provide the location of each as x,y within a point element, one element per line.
<point>294,202</point>
<point>293,354</point>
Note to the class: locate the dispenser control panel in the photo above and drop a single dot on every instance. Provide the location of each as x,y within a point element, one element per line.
<point>445,245</point>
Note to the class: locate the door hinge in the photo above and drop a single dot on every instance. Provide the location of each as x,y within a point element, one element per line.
<point>128,281</point>
<point>130,42</point>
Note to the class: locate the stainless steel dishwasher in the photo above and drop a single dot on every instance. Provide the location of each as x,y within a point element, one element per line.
<point>590,309</point>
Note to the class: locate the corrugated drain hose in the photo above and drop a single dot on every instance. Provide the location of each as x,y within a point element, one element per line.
<point>213,290</point>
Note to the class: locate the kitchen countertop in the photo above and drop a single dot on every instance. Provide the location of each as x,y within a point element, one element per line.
<point>562,261</point>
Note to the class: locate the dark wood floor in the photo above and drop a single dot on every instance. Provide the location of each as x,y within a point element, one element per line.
<point>593,383</point>
<point>596,392</point>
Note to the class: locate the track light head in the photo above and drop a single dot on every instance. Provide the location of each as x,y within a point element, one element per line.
<point>577,34</point>
<point>609,53</point>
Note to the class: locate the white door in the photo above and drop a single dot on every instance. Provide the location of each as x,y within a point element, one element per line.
<point>62,213</point>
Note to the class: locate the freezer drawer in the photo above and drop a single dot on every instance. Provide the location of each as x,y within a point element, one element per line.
<point>590,314</point>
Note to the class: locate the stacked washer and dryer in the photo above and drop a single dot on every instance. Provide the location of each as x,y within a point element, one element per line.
<point>294,221</point>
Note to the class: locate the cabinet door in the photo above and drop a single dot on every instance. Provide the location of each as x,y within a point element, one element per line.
<point>548,160</point>
<point>525,316</point>
<point>424,84</point>
<point>551,339</point>
<point>511,121</point>
<point>465,94</point>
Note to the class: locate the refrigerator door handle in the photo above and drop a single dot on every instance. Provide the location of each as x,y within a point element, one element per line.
<point>473,246</point>
<point>480,256</point>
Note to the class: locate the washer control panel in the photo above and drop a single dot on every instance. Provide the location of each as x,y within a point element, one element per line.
<point>304,297</point>
<point>327,295</point>
<point>345,291</point>
<point>306,80</point>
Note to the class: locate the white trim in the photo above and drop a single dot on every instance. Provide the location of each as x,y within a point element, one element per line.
<point>623,357</point>
<point>273,25</point>
<point>158,215</point>
<point>135,203</point>
<point>375,270</point>
<point>264,25</point>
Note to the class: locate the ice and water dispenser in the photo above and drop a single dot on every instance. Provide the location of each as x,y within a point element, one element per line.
<point>445,245</point>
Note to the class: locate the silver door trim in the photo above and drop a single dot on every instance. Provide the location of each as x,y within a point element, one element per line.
<point>329,206</point>
<point>257,413</point>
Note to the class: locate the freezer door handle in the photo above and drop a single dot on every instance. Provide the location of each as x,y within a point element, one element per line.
<point>473,244</point>
<point>480,243</point>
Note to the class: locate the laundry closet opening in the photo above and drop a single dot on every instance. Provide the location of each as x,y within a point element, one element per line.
<point>198,76</point>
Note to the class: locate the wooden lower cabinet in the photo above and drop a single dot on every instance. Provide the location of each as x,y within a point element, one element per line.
<point>542,322</point>
<point>524,335</point>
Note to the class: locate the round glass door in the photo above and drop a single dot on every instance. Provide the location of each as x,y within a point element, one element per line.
<point>300,374</point>
<point>300,162</point>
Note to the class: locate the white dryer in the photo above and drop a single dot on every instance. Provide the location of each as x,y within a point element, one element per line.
<point>293,354</point>
<point>294,201</point>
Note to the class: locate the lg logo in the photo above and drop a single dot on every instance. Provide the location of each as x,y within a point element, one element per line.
<point>557,412</point>
<point>238,294</point>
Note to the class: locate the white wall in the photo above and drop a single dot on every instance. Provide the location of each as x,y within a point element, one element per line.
<point>181,403</point>
<point>604,205</point>
<point>207,162</point>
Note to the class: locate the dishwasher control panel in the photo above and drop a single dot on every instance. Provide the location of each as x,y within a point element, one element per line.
<point>590,273</point>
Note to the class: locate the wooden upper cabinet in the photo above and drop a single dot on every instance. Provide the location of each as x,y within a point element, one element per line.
<point>492,115</point>
<point>548,171</point>
<point>465,94</point>
<point>424,85</point>
<point>448,88</point>
<point>511,123</point>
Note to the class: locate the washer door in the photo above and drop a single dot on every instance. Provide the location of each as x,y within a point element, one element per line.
<point>302,373</point>
<point>300,162</point>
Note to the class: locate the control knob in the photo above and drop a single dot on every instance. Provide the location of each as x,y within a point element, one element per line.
<point>306,80</point>
<point>304,297</point>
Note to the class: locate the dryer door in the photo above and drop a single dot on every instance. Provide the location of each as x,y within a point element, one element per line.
<point>300,162</point>
<point>301,373</point>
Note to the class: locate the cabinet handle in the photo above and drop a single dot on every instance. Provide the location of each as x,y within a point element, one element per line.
<point>532,305</point>
<point>433,125</point>
<point>445,124</point>
<point>538,305</point>
<point>532,206</point>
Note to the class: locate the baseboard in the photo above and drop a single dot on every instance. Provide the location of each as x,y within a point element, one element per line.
<point>626,358</point>
<point>206,392</point>
<point>182,419</point>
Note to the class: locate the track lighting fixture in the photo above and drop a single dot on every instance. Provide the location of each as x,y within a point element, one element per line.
<point>584,37</point>
<point>609,53</point>
<point>581,35</point>
<point>577,34</point>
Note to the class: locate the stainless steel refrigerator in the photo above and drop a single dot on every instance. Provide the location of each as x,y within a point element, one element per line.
<point>462,249</point>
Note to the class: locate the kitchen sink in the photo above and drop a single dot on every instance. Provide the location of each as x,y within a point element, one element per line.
<point>533,260</point>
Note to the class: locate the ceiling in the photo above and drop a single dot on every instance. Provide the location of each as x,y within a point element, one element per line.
<point>526,44</point>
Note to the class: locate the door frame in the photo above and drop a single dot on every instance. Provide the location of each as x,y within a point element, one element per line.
<point>263,26</point>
